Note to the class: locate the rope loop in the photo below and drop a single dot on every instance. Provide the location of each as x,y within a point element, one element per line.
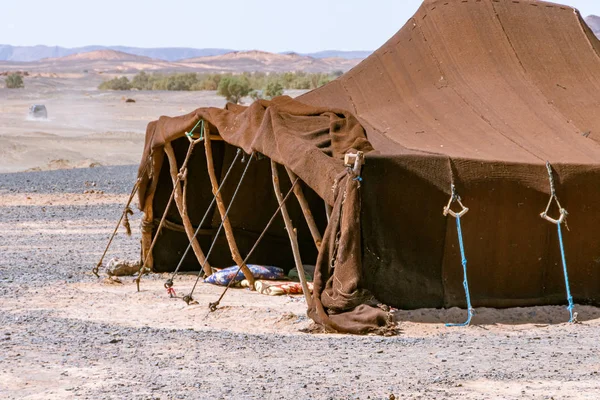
<point>455,198</point>
<point>562,211</point>
<point>190,134</point>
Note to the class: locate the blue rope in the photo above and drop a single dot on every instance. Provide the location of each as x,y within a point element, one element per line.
<point>465,281</point>
<point>191,133</point>
<point>564,263</point>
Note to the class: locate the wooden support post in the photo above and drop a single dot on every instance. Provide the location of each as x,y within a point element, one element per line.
<point>328,210</point>
<point>310,220</point>
<point>235,253</point>
<point>179,201</point>
<point>148,218</point>
<point>291,232</point>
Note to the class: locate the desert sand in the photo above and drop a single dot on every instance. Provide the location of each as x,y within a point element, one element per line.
<point>85,127</point>
<point>66,334</point>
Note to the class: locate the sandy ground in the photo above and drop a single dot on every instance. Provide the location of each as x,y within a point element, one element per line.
<point>65,334</point>
<point>85,126</point>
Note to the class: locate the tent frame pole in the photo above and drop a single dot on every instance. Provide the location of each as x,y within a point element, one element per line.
<point>181,204</point>
<point>291,231</point>
<point>235,252</point>
<point>308,216</point>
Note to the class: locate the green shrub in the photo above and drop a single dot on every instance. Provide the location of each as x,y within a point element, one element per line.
<point>14,81</point>
<point>233,88</point>
<point>121,83</point>
<point>273,89</point>
<point>141,81</point>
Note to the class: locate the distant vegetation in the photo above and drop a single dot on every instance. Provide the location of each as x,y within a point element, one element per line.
<point>14,81</point>
<point>232,87</point>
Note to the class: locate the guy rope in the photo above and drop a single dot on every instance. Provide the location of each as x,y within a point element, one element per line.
<point>188,298</point>
<point>180,176</point>
<point>169,283</point>
<point>213,306</point>
<point>457,215</point>
<point>124,217</point>
<point>558,222</point>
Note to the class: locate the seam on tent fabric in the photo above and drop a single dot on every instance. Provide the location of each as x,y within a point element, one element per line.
<point>528,76</point>
<point>469,104</point>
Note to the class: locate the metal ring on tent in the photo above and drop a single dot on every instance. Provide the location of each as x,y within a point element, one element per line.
<point>457,215</point>
<point>558,222</point>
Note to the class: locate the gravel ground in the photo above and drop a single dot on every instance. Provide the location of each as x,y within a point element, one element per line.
<point>49,246</point>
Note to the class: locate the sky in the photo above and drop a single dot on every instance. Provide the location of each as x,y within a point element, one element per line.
<point>272,25</point>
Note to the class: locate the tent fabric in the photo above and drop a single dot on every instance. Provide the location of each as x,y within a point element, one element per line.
<point>475,93</point>
<point>312,141</point>
<point>480,94</point>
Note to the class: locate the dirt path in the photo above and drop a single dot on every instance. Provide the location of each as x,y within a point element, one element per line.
<point>65,334</point>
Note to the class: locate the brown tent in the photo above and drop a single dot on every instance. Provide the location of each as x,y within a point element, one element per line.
<point>479,94</point>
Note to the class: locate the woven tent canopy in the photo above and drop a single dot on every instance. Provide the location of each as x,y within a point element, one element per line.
<point>479,94</point>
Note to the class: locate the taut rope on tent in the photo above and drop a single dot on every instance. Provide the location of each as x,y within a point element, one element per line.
<point>181,203</point>
<point>213,306</point>
<point>235,253</point>
<point>457,215</point>
<point>124,217</point>
<point>558,222</point>
<point>188,298</point>
<point>168,206</point>
<point>169,282</point>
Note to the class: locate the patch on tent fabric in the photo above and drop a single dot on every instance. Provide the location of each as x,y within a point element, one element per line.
<point>279,288</point>
<point>223,276</point>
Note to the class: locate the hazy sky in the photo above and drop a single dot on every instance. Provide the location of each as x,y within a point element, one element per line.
<point>271,25</point>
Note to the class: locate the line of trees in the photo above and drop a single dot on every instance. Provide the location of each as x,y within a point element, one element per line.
<point>232,87</point>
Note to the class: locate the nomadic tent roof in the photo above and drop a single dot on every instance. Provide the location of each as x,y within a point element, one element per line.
<point>479,94</point>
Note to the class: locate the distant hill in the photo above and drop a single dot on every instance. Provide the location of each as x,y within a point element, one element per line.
<point>593,22</point>
<point>255,60</point>
<point>100,55</point>
<point>118,62</point>
<point>350,55</point>
<point>36,53</point>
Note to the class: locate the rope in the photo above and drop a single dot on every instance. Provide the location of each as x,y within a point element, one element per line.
<point>447,210</point>
<point>465,281</point>
<point>126,210</point>
<point>558,222</point>
<point>168,206</point>
<point>190,134</point>
<point>188,298</point>
<point>169,282</point>
<point>213,306</point>
<point>572,317</point>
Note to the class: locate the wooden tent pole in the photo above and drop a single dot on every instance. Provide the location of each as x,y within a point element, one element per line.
<point>328,210</point>
<point>179,201</point>
<point>148,217</point>
<point>310,220</point>
<point>291,232</point>
<point>235,253</point>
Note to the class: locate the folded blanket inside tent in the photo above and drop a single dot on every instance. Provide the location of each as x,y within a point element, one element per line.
<point>224,276</point>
